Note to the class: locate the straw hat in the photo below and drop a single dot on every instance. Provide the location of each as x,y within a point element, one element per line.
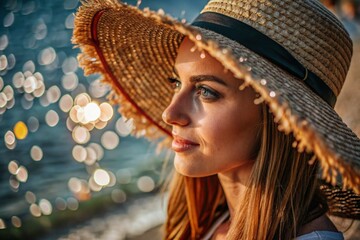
<point>294,53</point>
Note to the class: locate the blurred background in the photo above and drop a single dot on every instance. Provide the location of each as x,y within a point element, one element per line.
<point>68,167</point>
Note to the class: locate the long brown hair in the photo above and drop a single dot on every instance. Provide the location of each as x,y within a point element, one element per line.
<point>281,189</point>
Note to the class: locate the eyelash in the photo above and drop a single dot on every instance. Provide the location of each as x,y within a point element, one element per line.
<point>201,90</point>
<point>175,84</point>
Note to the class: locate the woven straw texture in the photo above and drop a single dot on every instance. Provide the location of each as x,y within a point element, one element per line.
<point>135,52</point>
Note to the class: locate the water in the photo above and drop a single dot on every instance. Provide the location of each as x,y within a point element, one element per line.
<point>35,41</point>
<point>35,45</point>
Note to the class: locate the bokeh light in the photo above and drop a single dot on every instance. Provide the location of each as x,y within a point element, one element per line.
<point>28,68</point>
<point>100,125</point>
<point>51,118</point>
<point>101,177</point>
<point>40,30</point>
<point>25,103</point>
<point>60,204</point>
<point>124,127</point>
<point>53,94</point>
<point>93,185</point>
<point>146,184</point>
<point>47,56</point>
<point>70,65</point>
<point>106,112</point>
<point>20,130</point>
<point>16,221</point>
<point>69,21</point>
<point>18,79</point>
<point>14,183</point>
<point>9,19</point>
<point>66,102</point>
<point>91,156</point>
<point>13,167</point>
<point>82,99</point>
<point>79,188</point>
<point>70,81</point>
<point>45,206</point>
<point>81,134</point>
<point>91,112</point>
<point>70,4</point>
<point>30,84</point>
<point>10,140</point>
<point>118,196</point>
<point>3,99</point>
<point>36,153</point>
<point>9,92</point>
<point>79,153</point>
<point>35,210</point>
<point>2,224</point>
<point>74,184</point>
<point>41,87</point>
<point>28,7</point>
<point>30,197</point>
<point>3,62</point>
<point>44,101</point>
<point>110,140</point>
<point>33,124</point>
<point>22,174</point>
<point>99,151</point>
<point>72,203</point>
<point>98,89</point>
<point>11,61</point>
<point>4,41</point>
<point>70,125</point>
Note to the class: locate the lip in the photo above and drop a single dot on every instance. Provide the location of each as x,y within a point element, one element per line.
<point>180,144</point>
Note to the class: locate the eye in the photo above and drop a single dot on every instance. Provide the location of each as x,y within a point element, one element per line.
<point>206,93</point>
<point>175,83</point>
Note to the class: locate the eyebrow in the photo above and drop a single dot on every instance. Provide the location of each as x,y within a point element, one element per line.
<point>202,78</point>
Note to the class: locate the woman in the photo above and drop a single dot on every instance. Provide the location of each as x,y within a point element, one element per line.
<point>243,170</point>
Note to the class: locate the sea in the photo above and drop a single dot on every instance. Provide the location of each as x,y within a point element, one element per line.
<point>65,174</point>
<point>57,168</point>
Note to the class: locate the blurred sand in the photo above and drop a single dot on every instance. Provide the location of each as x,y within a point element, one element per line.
<point>152,234</point>
<point>348,104</point>
<point>348,107</point>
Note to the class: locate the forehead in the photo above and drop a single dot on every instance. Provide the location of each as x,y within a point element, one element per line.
<point>191,61</point>
<point>188,53</point>
<point>189,58</point>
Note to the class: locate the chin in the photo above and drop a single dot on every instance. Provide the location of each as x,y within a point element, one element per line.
<point>189,169</point>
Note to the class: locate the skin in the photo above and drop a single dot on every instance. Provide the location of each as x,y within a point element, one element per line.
<point>224,127</point>
<point>216,128</point>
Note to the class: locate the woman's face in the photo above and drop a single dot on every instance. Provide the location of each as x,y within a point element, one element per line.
<point>215,126</point>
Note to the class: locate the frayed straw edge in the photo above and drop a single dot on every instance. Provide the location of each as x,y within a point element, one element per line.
<point>306,137</point>
<point>91,63</point>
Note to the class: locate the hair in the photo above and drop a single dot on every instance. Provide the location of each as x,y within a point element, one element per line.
<point>282,189</point>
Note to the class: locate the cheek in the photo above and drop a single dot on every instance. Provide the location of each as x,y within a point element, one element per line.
<point>234,131</point>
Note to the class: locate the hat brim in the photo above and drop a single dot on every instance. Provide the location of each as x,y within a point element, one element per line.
<point>135,51</point>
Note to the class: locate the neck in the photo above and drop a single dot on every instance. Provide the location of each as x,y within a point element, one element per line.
<point>234,183</point>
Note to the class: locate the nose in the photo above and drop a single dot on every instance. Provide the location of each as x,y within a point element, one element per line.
<point>177,113</point>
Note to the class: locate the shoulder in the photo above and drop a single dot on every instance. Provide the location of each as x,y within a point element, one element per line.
<point>321,235</point>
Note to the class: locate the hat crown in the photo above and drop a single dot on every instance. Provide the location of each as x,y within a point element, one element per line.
<point>305,28</point>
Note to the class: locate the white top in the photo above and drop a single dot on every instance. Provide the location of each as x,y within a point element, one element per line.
<point>216,224</point>
<point>322,235</point>
<point>316,235</point>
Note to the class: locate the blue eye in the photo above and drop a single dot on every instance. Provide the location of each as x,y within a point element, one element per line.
<point>207,93</point>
